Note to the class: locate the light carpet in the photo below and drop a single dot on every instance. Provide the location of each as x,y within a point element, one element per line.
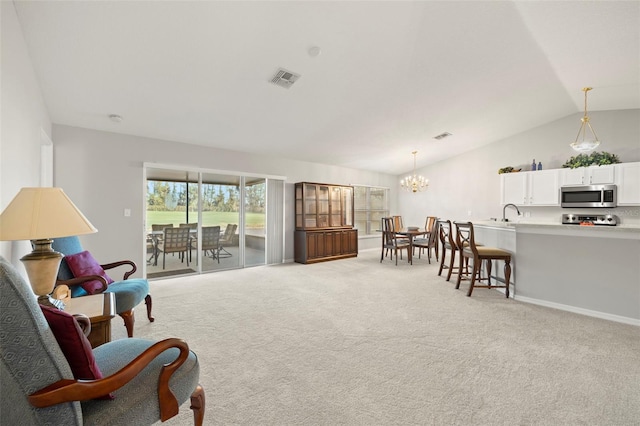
<point>359,342</point>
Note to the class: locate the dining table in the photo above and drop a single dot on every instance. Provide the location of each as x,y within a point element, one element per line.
<point>410,232</point>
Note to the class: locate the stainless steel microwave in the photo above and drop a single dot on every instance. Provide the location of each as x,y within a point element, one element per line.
<point>600,196</point>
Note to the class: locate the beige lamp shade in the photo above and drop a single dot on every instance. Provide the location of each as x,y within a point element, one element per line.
<point>38,213</point>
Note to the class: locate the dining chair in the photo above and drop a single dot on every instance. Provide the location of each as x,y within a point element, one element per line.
<point>397,222</point>
<point>465,240</point>
<point>175,240</point>
<point>431,239</point>
<point>391,241</point>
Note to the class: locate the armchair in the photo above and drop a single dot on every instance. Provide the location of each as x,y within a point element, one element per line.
<point>128,292</point>
<point>149,380</point>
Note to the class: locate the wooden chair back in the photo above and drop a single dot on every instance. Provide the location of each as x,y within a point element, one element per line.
<point>388,231</point>
<point>465,237</point>
<point>397,222</point>
<point>428,225</point>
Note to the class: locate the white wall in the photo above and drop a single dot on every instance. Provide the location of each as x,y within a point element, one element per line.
<point>470,182</point>
<point>23,119</point>
<point>103,174</point>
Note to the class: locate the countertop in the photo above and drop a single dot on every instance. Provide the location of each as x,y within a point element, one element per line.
<point>620,231</point>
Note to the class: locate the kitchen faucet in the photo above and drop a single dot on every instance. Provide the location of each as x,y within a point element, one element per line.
<point>504,219</point>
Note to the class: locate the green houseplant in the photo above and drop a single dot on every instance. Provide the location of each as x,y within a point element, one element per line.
<point>593,159</point>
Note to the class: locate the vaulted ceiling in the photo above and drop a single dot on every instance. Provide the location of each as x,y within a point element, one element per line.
<point>389,77</point>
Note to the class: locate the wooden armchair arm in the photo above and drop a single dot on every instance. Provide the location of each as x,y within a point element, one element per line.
<point>80,280</point>
<point>80,390</point>
<point>127,274</point>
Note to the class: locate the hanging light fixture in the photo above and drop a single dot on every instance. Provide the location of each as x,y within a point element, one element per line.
<point>414,183</point>
<point>584,142</point>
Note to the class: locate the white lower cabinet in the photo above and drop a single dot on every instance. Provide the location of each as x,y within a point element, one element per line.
<point>539,188</point>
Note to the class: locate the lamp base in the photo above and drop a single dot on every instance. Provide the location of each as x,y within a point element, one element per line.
<point>42,269</point>
<point>47,300</point>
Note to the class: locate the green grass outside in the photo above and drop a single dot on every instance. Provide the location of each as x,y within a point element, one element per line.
<point>253,220</point>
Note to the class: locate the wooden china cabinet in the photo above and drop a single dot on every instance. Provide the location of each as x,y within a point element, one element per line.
<point>324,223</point>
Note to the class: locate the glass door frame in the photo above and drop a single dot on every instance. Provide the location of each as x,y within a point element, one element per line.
<point>241,213</point>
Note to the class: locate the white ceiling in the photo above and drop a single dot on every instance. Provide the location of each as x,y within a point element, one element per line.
<point>391,75</point>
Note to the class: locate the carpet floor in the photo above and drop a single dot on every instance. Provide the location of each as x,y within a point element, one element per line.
<point>359,342</point>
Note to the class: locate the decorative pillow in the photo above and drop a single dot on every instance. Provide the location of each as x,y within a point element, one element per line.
<point>83,264</point>
<point>74,345</point>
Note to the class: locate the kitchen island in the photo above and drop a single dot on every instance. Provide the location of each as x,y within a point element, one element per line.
<point>592,270</point>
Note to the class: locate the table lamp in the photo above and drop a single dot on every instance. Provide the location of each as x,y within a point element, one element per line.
<point>40,214</point>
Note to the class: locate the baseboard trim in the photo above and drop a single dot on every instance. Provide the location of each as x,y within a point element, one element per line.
<point>582,311</point>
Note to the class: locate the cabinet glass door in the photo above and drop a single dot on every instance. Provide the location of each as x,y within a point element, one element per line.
<point>336,215</point>
<point>310,206</point>
<point>323,206</point>
<point>347,206</point>
<point>298,206</point>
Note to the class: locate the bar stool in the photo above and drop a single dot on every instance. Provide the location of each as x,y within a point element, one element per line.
<point>448,242</point>
<point>469,250</point>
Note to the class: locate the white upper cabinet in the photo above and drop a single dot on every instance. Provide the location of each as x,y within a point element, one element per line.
<point>628,183</point>
<point>589,175</point>
<point>540,188</point>
<point>514,188</point>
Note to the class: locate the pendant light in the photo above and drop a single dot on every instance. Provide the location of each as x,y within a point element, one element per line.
<point>584,142</point>
<point>414,183</point>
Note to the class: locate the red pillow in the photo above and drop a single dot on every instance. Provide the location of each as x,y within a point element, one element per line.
<point>74,345</point>
<point>83,264</point>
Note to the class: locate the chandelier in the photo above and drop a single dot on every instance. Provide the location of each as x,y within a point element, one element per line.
<point>585,143</point>
<point>414,183</point>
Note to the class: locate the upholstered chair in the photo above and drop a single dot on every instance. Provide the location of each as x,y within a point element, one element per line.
<point>129,292</point>
<point>141,381</point>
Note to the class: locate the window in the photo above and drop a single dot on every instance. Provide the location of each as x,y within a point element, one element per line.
<point>371,205</point>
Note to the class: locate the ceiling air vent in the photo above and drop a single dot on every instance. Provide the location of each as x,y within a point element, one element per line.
<point>442,135</point>
<point>284,78</point>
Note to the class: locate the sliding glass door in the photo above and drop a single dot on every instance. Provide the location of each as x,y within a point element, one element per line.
<point>226,216</point>
<point>220,207</point>
<point>255,201</point>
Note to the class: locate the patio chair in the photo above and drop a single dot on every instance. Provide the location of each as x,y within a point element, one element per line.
<point>211,242</point>
<point>227,240</point>
<point>175,240</point>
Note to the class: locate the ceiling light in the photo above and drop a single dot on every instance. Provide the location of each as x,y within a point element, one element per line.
<point>115,118</point>
<point>585,143</point>
<point>314,51</point>
<point>414,183</point>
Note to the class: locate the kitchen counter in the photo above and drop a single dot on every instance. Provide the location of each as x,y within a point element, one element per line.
<point>620,231</point>
<point>591,270</point>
